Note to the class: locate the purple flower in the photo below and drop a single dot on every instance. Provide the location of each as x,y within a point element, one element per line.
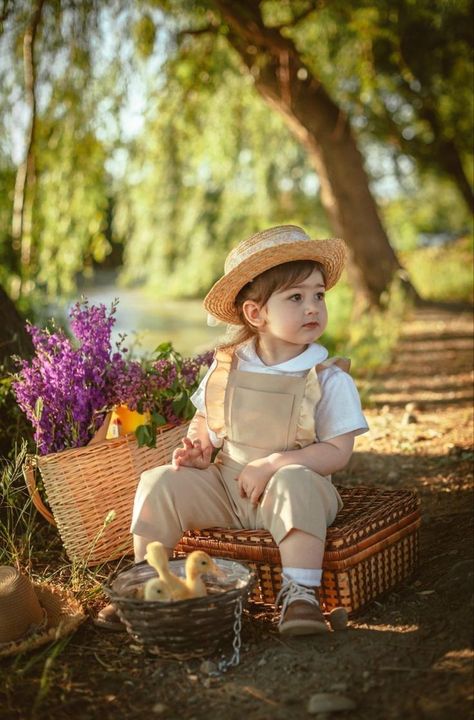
<point>68,386</point>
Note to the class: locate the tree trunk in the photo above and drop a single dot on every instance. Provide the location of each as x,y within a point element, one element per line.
<point>14,339</point>
<point>26,174</point>
<point>287,85</point>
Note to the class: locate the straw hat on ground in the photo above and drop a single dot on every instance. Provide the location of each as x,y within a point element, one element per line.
<point>32,614</point>
<point>263,251</point>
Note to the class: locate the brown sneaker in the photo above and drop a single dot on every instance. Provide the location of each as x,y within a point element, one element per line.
<point>300,612</point>
<point>108,619</point>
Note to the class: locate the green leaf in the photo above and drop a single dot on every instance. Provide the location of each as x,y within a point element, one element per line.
<point>158,419</point>
<point>145,436</point>
<point>164,348</point>
<point>179,403</point>
<point>189,411</point>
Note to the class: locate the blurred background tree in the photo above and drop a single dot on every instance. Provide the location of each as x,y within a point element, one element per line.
<point>135,136</point>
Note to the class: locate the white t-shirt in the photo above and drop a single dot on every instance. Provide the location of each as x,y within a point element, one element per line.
<point>338,411</point>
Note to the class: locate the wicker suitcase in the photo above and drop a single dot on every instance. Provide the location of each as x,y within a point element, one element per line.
<point>371,548</point>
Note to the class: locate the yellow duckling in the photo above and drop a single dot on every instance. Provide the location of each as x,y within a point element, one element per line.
<point>156,590</point>
<point>197,563</point>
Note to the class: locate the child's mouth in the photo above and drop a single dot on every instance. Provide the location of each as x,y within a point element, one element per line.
<point>311,325</point>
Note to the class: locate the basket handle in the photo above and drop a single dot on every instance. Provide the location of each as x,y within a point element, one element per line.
<point>30,479</point>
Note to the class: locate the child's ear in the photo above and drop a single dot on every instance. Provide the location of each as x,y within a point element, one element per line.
<point>253,313</point>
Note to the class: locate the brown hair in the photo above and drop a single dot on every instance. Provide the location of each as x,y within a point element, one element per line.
<point>261,288</point>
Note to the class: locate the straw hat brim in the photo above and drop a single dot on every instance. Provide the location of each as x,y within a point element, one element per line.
<point>220,300</point>
<point>64,615</point>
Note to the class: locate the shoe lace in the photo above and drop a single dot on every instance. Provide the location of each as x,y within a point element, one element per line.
<point>292,591</point>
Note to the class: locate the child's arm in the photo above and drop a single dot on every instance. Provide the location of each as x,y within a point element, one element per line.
<point>323,458</point>
<point>197,447</point>
<point>198,430</point>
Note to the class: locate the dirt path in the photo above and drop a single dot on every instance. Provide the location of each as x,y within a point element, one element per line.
<point>408,656</point>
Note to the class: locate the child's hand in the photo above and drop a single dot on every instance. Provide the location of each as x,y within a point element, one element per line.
<point>254,478</point>
<point>192,455</point>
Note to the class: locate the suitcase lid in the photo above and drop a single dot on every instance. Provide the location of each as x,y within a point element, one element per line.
<point>367,512</point>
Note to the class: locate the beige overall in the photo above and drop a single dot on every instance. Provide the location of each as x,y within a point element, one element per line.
<point>256,414</point>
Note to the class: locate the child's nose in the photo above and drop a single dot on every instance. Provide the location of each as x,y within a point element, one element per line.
<point>311,307</point>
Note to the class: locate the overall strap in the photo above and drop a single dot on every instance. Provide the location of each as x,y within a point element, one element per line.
<point>341,362</point>
<point>215,391</point>
<point>306,431</point>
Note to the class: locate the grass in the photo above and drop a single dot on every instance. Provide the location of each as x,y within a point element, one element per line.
<point>19,521</point>
<point>443,273</point>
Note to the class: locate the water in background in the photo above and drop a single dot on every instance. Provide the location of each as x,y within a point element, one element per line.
<point>148,322</point>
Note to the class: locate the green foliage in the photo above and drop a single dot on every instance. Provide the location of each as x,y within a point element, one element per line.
<point>70,187</point>
<point>213,163</point>
<point>144,35</point>
<point>14,427</point>
<point>373,334</point>
<point>443,273</point>
<point>173,399</point>
<point>432,207</point>
<point>72,200</point>
<point>212,166</point>
<point>367,337</point>
<point>403,72</point>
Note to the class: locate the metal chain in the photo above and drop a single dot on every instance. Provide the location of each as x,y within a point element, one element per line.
<point>223,665</point>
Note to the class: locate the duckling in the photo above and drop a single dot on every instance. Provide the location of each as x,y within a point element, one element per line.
<point>156,590</point>
<point>157,557</point>
<point>197,563</point>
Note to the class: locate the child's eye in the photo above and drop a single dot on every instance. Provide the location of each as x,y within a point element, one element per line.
<point>296,297</point>
<point>320,295</point>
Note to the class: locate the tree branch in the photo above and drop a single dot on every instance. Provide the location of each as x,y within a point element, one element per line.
<point>246,19</point>
<point>7,6</point>
<point>297,19</point>
<point>193,32</point>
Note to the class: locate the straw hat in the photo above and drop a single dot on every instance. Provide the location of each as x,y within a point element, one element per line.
<point>32,614</point>
<point>264,250</point>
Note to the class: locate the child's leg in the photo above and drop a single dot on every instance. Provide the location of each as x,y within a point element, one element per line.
<point>168,502</point>
<point>302,550</point>
<point>302,560</point>
<point>297,507</point>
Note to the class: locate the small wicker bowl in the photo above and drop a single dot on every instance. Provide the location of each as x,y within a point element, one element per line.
<point>192,628</point>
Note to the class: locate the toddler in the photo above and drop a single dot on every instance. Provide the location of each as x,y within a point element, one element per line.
<point>283,416</point>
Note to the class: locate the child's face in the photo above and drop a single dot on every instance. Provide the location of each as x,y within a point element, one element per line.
<point>297,315</point>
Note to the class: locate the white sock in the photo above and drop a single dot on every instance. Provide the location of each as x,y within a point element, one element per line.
<point>309,577</point>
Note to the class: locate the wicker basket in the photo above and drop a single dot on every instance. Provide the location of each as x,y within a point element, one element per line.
<point>371,548</point>
<point>188,628</point>
<point>84,484</point>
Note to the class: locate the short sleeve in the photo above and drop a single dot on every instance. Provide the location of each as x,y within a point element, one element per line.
<point>339,410</point>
